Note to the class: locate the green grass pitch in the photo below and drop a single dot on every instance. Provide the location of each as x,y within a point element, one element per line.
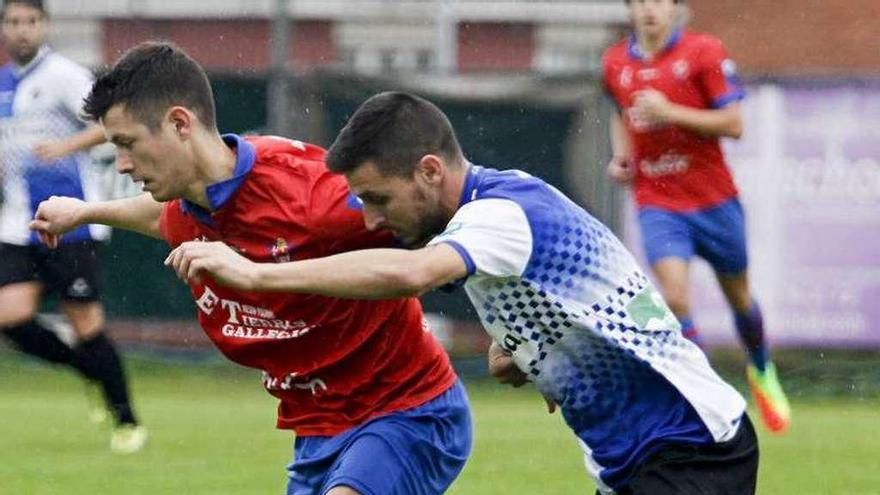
<point>212,431</point>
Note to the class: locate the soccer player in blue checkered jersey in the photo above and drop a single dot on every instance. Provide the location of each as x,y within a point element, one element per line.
<point>41,144</point>
<point>566,304</point>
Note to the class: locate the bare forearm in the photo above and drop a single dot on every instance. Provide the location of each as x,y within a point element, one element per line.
<point>91,136</point>
<point>620,145</point>
<point>724,122</point>
<point>368,274</point>
<point>139,214</point>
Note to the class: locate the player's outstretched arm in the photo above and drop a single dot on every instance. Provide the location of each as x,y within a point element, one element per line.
<point>49,151</point>
<point>58,215</point>
<point>366,274</point>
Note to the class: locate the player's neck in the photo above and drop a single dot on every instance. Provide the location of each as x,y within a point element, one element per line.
<point>454,188</point>
<point>215,162</point>
<point>25,62</point>
<point>651,44</point>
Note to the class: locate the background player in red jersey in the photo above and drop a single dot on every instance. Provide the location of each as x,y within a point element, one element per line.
<point>677,93</point>
<point>369,392</point>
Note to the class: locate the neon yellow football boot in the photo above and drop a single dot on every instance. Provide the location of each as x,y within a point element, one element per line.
<point>769,397</point>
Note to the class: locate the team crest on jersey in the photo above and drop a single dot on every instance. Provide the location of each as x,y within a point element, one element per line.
<point>281,251</point>
<point>680,69</point>
<point>728,67</point>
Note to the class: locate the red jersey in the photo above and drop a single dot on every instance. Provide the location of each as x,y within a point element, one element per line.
<point>333,363</point>
<point>676,169</point>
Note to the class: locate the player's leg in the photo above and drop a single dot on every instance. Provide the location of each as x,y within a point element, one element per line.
<point>668,245</point>
<point>761,372</point>
<point>747,315</point>
<point>73,270</point>
<point>97,357</point>
<point>419,451</point>
<point>722,242</point>
<point>19,300</point>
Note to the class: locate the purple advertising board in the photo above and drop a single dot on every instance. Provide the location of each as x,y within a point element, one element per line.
<point>808,170</point>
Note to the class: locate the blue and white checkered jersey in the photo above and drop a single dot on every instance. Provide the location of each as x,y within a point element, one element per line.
<point>41,102</point>
<point>557,289</point>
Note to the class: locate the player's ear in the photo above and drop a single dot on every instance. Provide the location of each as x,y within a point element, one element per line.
<point>181,120</point>
<point>430,169</point>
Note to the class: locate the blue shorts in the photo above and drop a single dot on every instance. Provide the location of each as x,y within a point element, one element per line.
<point>716,234</point>
<point>413,452</point>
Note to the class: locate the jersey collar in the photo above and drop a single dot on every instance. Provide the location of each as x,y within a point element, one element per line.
<point>635,52</point>
<point>22,71</point>
<point>469,191</point>
<point>219,193</point>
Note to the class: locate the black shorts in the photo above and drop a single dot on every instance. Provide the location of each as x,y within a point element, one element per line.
<point>73,271</point>
<point>728,468</point>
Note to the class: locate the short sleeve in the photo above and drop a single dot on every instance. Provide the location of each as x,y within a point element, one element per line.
<point>718,75</point>
<point>492,236</point>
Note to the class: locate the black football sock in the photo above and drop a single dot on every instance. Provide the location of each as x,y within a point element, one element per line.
<point>34,339</point>
<point>98,360</point>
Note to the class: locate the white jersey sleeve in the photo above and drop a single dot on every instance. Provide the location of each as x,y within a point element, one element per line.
<point>493,237</point>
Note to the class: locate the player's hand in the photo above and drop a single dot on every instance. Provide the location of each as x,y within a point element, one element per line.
<point>227,267</point>
<point>502,367</point>
<point>650,107</point>
<point>56,216</point>
<point>50,151</point>
<point>620,170</point>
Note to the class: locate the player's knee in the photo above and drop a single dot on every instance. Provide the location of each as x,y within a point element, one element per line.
<point>87,318</point>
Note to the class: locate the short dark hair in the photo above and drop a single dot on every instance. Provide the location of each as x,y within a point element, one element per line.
<point>394,130</point>
<point>36,4</point>
<point>147,80</point>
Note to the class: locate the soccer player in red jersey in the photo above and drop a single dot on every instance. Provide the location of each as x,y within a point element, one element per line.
<point>677,93</point>
<point>371,395</point>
